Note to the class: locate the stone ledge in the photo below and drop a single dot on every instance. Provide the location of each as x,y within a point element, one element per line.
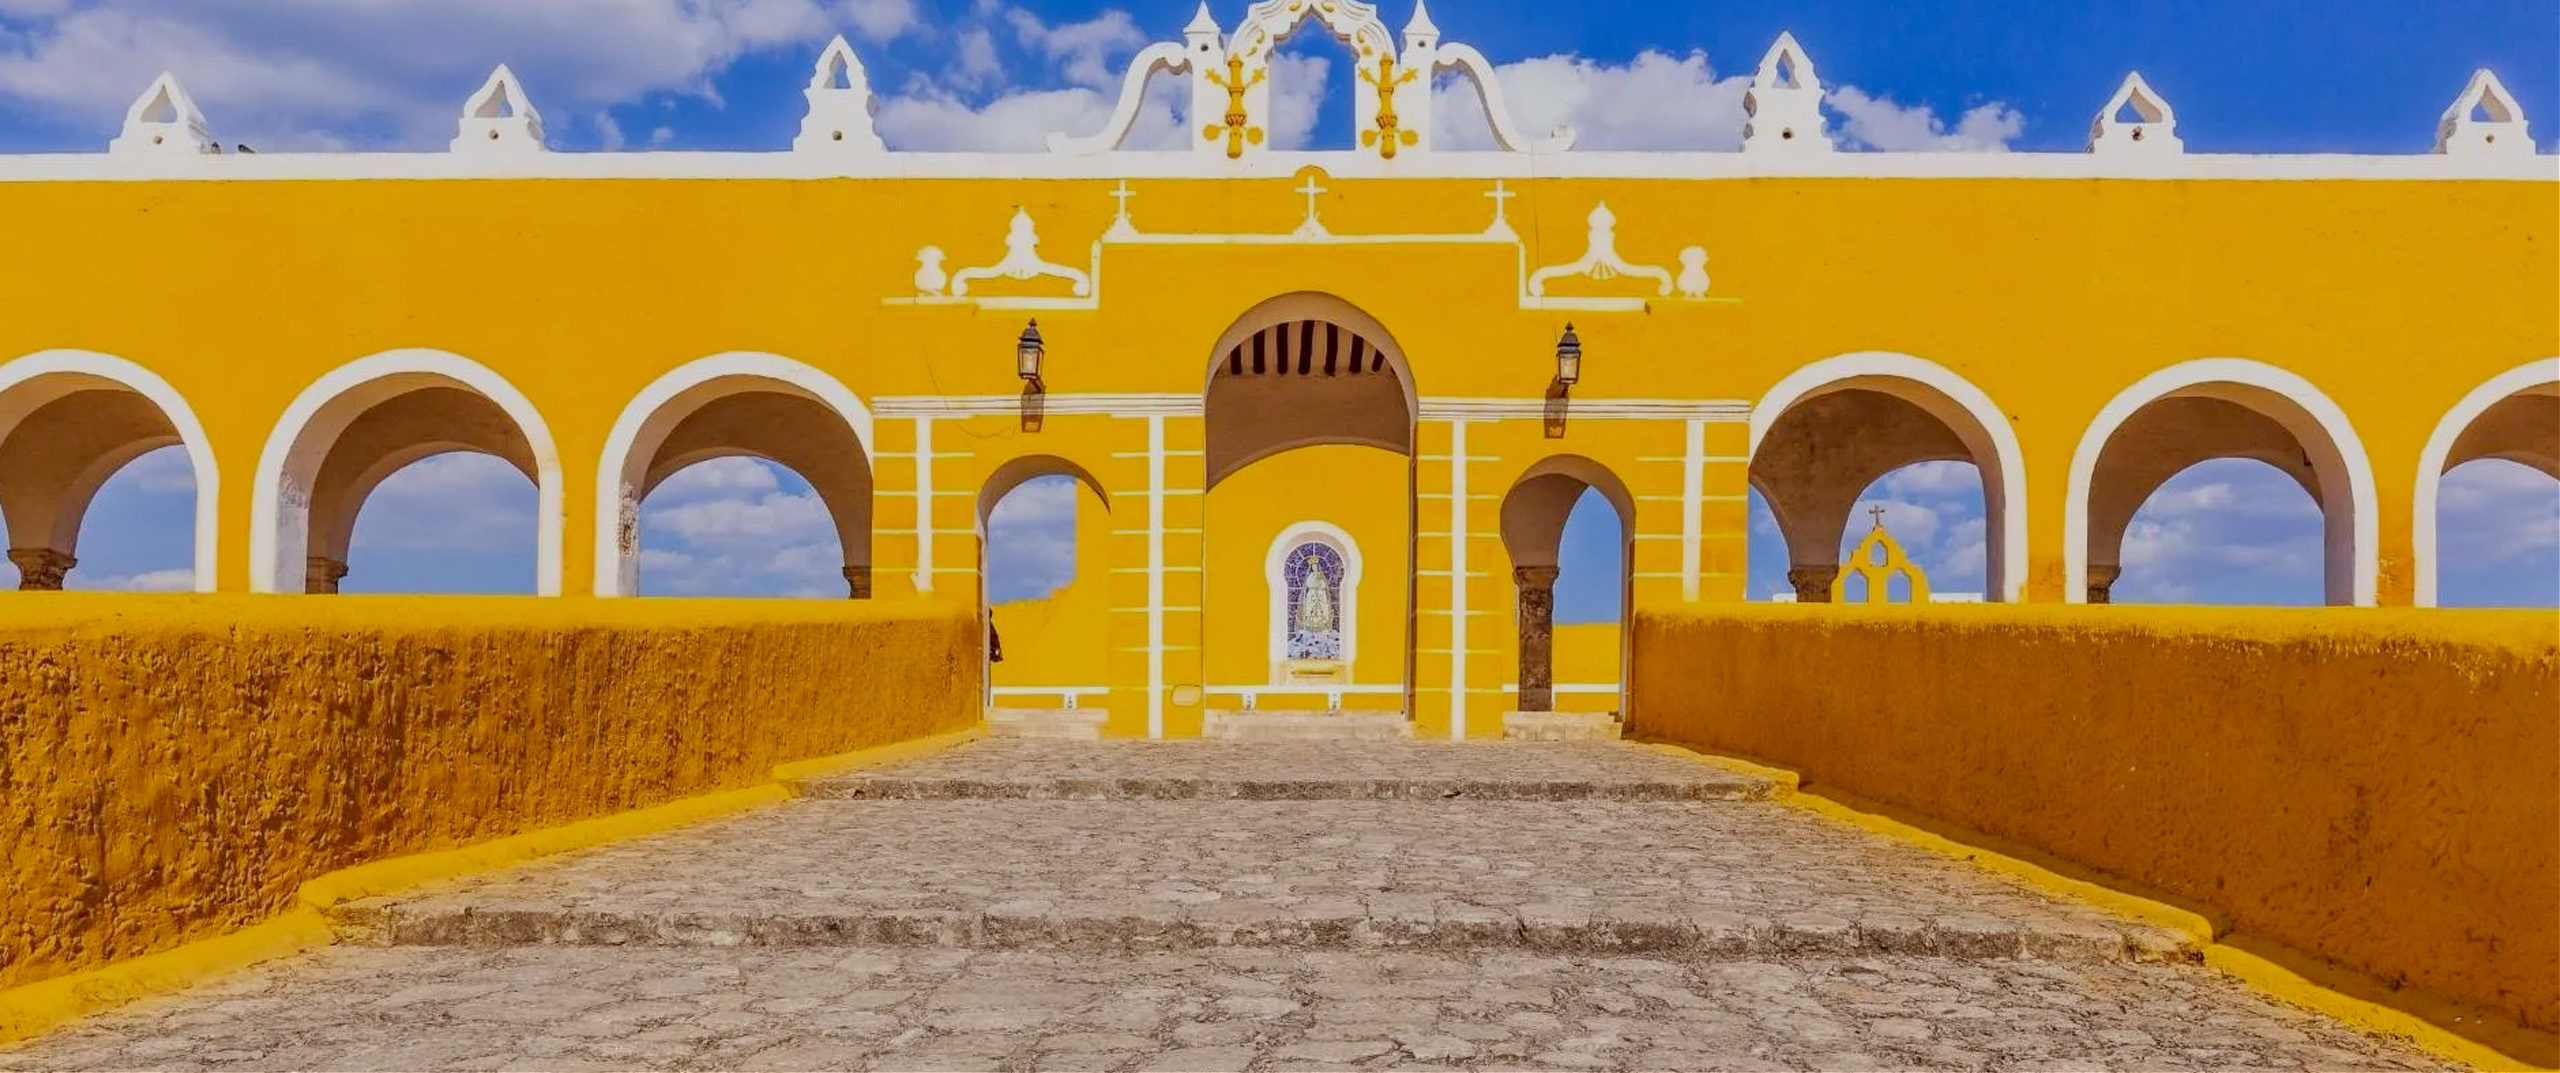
<point>1559,726</point>
<point>1107,788</point>
<point>1058,724</point>
<point>1344,924</point>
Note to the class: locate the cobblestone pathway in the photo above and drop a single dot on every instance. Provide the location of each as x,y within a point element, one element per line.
<point>1044,905</point>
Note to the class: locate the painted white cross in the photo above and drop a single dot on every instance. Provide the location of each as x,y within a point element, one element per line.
<point>1501,202</point>
<point>1122,195</point>
<point>1311,190</point>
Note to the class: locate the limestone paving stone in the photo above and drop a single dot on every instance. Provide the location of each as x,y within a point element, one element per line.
<point>1722,879</point>
<point>1294,770</point>
<point>429,1008</point>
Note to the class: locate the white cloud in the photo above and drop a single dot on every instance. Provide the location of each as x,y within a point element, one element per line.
<point>1935,479</point>
<point>1913,525</point>
<point>931,119</point>
<point>180,579</point>
<point>2493,513</point>
<point>1082,51</point>
<point>2224,531</point>
<point>164,472</point>
<point>738,527</point>
<point>1031,539</point>
<point>1299,86</point>
<point>463,501</point>
<point>879,20</point>
<point>1663,102</point>
<point>1966,552</point>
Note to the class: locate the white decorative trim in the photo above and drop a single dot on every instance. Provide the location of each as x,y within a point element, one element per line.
<point>1155,574</point>
<point>2523,379</point>
<point>1141,404</point>
<point>279,521</point>
<point>840,107</point>
<point>1693,506</point>
<point>923,577</point>
<point>1021,262</point>
<point>1530,409</point>
<point>1600,259</point>
<point>2155,133</point>
<point>2502,133</point>
<point>1458,579</point>
<point>1275,562</point>
<point>1783,106</point>
<point>80,365</point>
<point>1966,411</point>
<point>2320,427</point>
<point>499,118</point>
<point>164,121</point>
<point>655,412</point>
<point>1497,110</point>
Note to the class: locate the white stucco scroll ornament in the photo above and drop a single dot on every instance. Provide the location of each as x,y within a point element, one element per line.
<point>1229,78</point>
<point>1021,261</point>
<point>2136,120</point>
<point>2484,121</point>
<point>500,118</point>
<point>840,107</point>
<point>164,121</point>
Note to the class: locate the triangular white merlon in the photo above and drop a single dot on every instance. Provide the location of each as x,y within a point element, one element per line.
<point>2484,121</point>
<point>2150,127</point>
<point>840,106</point>
<point>499,118</point>
<point>164,120</point>
<point>1421,25</point>
<point>1784,103</point>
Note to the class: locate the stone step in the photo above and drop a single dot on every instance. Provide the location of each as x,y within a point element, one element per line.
<point>1398,922</point>
<point>1060,724</point>
<point>1296,771</point>
<point>1559,726</point>
<point>1334,726</point>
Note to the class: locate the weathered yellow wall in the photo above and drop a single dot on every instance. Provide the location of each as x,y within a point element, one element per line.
<point>172,768</point>
<point>2380,788</point>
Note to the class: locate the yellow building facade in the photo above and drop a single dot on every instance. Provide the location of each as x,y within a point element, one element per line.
<point>1321,407</point>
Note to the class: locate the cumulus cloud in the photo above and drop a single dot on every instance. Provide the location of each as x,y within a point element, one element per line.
<point>1031,540</point>
<point>463,501</point>
<point>738,527</point>
<point>1659,101</point>
<point>178,579</point>
<point>2494,514</point>
<point>2227,531</point>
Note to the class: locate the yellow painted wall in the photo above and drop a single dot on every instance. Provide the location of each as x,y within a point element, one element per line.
<point>2380,788</point>
<point>1586,653</point>
<point>1063,639</point>
<point>172,768</point>
<point>1364,491</point>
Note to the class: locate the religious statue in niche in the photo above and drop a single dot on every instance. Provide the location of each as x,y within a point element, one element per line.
<point>1313,574</point>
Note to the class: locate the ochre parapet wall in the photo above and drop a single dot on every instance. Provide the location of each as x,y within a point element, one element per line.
<point>172,768</point>
<point>2378,788</point>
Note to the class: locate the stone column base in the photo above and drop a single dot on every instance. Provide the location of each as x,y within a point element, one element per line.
<point>1813,583</point>
<point>41,569</point>
<point>857,580</point>
<point>320,575</point>
<point>2102,582</point>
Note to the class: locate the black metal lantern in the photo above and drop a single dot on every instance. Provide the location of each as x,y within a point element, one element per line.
<point>1028,353</point>
<point>1569,358</point>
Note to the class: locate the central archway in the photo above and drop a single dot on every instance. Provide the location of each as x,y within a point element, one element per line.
<point>1309,516</point>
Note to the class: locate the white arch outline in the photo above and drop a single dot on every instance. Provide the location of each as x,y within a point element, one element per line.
<point>2337,439</point>
<point>270,547</point>
<point>1984,429</point>
<point>149,385</point>
<point>2431,462</point>
<point>1275,563</point>
<point>653,414</point>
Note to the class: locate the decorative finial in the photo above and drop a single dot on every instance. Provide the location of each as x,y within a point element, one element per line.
<point>1784,103</point>
<point>2153,129</point>
<point>1421,24</point>
<point>164,121</point>
<point>840,106</point>
<point>1878,512</point>
<point>1202,22</point>
<point>2500,128</point>
<point>500,118</point>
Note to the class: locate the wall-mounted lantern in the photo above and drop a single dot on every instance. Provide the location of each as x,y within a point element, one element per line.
<point>1569,358</point>
<point>1027,355</point>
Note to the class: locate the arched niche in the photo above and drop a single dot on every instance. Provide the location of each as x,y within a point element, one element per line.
<point>69,420</point>
<point>1534,514</point>
<point>2514,417</point>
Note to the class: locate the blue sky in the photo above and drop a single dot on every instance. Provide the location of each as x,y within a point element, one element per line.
<point>994,74</point>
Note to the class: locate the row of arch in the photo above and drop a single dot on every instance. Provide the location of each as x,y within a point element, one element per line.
<point>363,421</point>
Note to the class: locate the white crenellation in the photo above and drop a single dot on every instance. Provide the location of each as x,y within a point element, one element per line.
<point>1784,103</point>
<point>2498,130</point>
<point>500,118</point>
<point>164,121</point>
<point>840,106</point>
<point>2152,129</point>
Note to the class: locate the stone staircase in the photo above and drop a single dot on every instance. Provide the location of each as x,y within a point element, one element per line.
<point>1059,724</point>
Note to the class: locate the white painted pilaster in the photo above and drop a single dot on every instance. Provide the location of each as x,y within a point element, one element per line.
<point>1693,487</point>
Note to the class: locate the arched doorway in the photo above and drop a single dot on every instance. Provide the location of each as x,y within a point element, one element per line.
<point>1309,514</point>
<point>367,420</point>
<point>2218,409</point>
<point>738,405</point>
<point>1044,524</point>
<point>1826,438</point>
<point>1553,500</point>
<point>2483,517</point>
<point>71,421</point>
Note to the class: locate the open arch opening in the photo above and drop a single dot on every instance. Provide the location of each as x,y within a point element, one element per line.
<point>70,421</point>
<point>738,525</point>
<point>2488,483</point>
<point>367,420</point>
<point>2218,409</point>
<point>1310,414</point>
<point>729,406</point>
<point>1823,439</point>
<point>1569,523</point>
<point>1041,519</point>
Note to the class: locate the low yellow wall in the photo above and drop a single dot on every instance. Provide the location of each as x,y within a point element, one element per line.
<point>172,768</point>
<point>2378,788</point>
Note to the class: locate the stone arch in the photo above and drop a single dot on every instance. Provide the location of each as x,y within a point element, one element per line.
<point>86,415</point>
<point>1533,521</point>
<point>361,422</point>
<point>1936,415</point>
<point>731,405</point>
<point>1269,370</point>
<point>1015,472</point>
<point>2220,408</point>
<point>2509,417</point>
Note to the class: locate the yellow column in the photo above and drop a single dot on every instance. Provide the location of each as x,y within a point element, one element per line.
<point>1157,555</point>
<point>1462,584</point>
